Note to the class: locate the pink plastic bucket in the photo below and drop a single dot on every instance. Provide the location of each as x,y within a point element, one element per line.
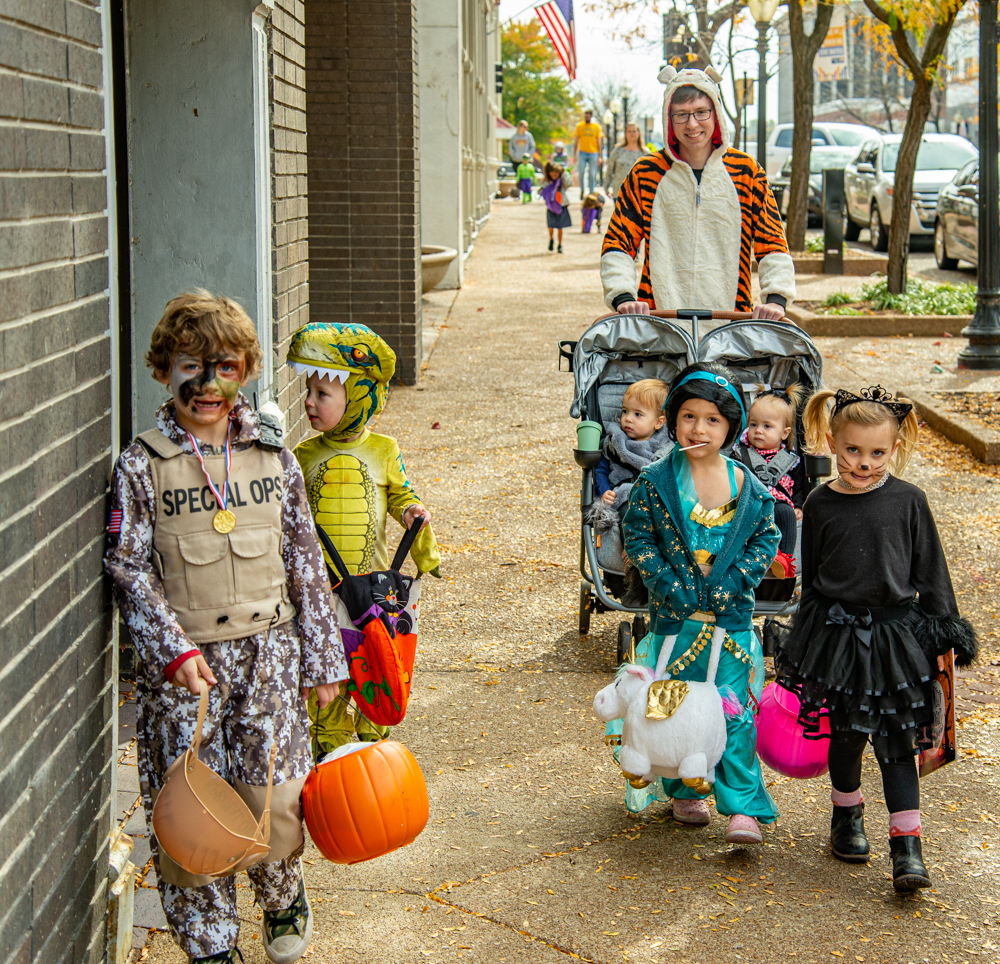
<point>780,740</point>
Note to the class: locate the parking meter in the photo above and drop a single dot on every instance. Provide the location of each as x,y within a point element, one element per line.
<point>833,221</point>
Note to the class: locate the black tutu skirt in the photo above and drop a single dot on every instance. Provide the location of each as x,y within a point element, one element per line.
<point>866,668</point>
<point>560,220</point>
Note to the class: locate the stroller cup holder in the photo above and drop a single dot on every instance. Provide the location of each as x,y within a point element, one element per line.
<point>586,460</point>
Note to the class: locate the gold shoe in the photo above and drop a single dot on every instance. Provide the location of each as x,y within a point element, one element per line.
<point>637,783</point>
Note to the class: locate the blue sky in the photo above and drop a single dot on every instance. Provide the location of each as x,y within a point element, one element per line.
<point>599,56</point>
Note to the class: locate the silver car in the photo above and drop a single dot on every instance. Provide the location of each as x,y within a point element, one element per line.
<point>868,183</point>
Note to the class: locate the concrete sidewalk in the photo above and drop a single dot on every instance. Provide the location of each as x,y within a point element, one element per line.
<point>529,855</point>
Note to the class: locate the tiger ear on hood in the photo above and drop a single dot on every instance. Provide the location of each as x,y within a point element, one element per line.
<point>667,74</point>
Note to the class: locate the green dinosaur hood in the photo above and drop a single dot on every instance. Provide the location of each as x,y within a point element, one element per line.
<point>355,355</point>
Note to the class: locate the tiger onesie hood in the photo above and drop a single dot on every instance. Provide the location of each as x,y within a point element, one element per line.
<point>701,237</point>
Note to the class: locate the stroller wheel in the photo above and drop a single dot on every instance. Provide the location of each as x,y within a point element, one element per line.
<point>625,651</point>
<point>639,628</point>
<point>586,608</point>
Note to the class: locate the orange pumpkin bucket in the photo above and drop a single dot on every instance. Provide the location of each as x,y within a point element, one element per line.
<point>201,822</point>
<point>365,800</point>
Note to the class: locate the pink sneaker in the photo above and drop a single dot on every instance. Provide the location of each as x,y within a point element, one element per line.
<point>743,829</point>
<point>693,812</point>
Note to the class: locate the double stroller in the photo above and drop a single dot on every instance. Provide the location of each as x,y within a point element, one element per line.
<point>617,350</point>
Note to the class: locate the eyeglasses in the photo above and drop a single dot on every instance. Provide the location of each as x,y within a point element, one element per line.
<point>702,114</point>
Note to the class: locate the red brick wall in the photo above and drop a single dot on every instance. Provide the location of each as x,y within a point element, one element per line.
<point>364,214</point>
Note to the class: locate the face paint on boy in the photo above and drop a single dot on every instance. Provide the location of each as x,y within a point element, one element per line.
<point>205,391</point>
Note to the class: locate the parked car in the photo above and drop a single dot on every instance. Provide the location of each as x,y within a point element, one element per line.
<point>956,225</point>
<point>820,159</point>
<point>868,183</point>
<point>779,142</point>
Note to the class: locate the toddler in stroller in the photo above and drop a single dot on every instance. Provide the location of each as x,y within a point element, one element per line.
<point>638,439</point>
<point>767,448</point>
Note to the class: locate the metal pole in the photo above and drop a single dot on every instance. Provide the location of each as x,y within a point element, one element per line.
<point>743,108</point>
<point>762,95</point>
<point>624,113</point>
<point>984,331</point>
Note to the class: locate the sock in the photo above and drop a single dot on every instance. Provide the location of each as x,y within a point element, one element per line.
<point>846,799</point>
<point>904,823</point>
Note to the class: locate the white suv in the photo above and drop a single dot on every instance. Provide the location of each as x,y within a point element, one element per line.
<point>779,144</point>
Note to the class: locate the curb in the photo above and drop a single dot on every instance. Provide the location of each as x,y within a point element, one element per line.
<point>853,267</point>
<point>982,443</point>
<point>876,325</point>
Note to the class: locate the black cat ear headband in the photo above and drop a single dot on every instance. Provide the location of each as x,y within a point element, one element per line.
<point>876,394</point>
<point>781,393</point>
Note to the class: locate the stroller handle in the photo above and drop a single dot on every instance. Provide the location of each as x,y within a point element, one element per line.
<point>687,314</point>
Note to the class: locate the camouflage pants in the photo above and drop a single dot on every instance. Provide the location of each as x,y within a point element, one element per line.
<point>337,723</point>
<point>256,700</point>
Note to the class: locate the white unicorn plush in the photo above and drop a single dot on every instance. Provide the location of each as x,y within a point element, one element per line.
<point>673,728</point>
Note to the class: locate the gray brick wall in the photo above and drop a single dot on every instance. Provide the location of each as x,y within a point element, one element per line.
<point>290,210</point>
<point>56,692</point>
<point>364,211</point>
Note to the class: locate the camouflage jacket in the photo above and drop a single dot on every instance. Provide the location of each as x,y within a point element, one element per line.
<point>155,631</point>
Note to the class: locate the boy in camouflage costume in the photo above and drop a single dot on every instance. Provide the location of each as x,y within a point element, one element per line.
<point>205,623</point>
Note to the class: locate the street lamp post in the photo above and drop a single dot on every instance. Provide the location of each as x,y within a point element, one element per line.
<point>762,11</point>
<point>984,331</point>
<point>626,93</point>
<point>608,118</point>
<point>616,109</point>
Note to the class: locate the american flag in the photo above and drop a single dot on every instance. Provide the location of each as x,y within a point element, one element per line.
<point>115,522</point>
<point>557,18</point>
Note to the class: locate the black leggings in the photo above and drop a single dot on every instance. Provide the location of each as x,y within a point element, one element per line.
<point>784,518</point>
<point>900,781</point>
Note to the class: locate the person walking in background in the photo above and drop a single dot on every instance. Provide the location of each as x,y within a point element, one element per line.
<point>586,150</point>
<point>625,154</point>
<point>525,178</point>
<point>554,194</point>
<point>560,157</point>
<point>520,144</point>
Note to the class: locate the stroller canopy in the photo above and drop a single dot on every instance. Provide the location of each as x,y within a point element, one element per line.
<point>628,348</point>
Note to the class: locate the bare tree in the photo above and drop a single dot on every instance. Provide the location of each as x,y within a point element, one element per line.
<point>804,49</point>
<point>930,21</point>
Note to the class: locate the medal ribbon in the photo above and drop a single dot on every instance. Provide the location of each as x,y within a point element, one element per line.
<point>221,500</point>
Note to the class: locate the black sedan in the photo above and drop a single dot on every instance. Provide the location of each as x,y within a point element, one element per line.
<point>956,222</point>
<point>820,160</point>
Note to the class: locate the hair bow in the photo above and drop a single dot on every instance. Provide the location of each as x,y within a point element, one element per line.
<point>876,394</point>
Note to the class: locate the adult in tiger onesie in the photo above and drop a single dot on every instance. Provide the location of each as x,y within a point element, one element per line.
<point>703,209</point>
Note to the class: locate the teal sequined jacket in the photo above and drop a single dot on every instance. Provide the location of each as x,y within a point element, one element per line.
<point>654,540</point>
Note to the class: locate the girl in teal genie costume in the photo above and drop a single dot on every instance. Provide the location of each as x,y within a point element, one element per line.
<point>701,566</point>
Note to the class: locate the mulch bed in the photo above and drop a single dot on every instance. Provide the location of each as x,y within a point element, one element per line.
<point>982,408</point>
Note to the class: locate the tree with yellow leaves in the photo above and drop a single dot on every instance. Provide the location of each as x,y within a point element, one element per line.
<point>915,32</point>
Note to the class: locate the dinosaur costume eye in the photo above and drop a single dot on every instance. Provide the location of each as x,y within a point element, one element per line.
<point>359,354</point>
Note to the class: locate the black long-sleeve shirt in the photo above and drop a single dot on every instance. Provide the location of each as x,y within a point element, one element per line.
<point>879,548</point>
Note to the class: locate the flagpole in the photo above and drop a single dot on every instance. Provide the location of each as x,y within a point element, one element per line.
<point>530,6</point>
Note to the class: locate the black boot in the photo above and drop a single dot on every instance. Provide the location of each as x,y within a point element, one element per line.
<point>908,870</point>
<point>847,834</point>
<point>552,244</point>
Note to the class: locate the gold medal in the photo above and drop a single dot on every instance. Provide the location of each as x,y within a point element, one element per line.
<point>224,521</point>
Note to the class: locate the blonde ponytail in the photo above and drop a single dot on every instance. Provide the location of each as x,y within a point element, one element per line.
<point>907,436</point>
<point>816,421</point>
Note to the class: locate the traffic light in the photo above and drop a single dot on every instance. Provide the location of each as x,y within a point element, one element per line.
<point>498,72</point>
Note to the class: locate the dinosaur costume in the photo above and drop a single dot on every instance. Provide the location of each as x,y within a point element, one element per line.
<point>355,479</point>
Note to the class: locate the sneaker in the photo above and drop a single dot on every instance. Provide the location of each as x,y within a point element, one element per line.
<point>552,244</point>
<point>743,830</point>
<point>287,932</point>
<point>695,813</point>
<point>559,249</point>
<point>232,956</point>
